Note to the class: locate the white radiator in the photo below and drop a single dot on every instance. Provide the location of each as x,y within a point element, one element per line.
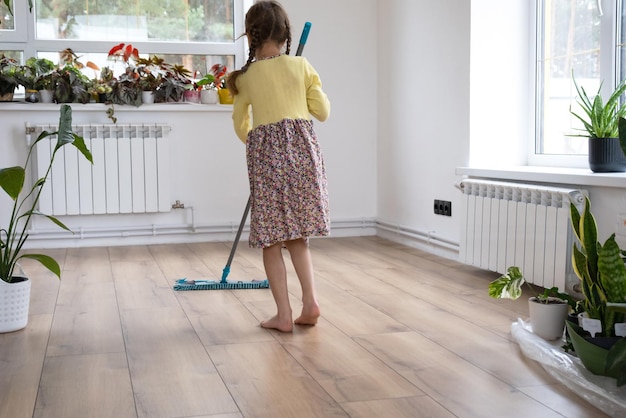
<point>525,225</point>
<point>130,171</point>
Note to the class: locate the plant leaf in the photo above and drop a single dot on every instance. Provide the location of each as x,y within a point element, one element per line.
<point>507,286</point>
<point>616,361</point>
<point>47,261</point>
<point>12,181</point>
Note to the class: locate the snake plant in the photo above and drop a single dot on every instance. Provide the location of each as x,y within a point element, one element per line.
<point>600,269</point>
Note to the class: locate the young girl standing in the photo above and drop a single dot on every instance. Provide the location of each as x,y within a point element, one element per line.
<point>274,97</point>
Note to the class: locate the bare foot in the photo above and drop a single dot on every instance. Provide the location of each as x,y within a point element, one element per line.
<point>309,315</point>
<point>278,324</point>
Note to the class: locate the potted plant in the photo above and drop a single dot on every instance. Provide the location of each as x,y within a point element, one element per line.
<point>602,273</point>
<point>220,72</point>
<point>175,82</point>
<point>14,230</point>
<point>548,311</point>
<point>35,71</point>
<point>208,90</point>
<point>150,77</point>
<point>600,124</point>
<point>11,76</point>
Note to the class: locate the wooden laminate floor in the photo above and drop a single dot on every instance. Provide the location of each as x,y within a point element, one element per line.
<point>402,334</point>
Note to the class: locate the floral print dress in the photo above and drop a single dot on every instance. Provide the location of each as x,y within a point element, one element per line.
<point>272,115</point>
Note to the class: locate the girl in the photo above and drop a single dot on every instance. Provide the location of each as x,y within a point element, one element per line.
<point>274,97</point>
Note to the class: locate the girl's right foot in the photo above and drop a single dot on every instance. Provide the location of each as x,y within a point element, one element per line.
<point>309,315</point>
<point>278,324</point>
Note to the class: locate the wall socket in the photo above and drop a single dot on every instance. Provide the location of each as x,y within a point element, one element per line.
<point>443,207</point>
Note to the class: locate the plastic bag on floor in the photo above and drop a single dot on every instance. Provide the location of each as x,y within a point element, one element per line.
<point>600,391</point>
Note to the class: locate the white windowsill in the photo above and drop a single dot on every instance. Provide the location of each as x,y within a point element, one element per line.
<point>551,175</point>
<point>22,106</point>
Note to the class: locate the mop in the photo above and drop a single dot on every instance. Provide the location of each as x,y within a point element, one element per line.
<point>188,284</point>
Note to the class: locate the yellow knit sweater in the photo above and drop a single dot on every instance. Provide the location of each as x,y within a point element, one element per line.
<point>284,87</point>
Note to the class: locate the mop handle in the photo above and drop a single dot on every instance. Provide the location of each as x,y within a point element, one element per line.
<point>303,37</point>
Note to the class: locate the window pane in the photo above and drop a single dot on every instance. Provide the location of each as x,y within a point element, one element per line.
<point>136,20</point>
<point>6,19</point>
<point>571,44</point>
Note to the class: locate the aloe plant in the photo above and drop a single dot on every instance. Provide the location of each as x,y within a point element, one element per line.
<point>600,120</point>
<point>14,235</point>
<point>600,269</point>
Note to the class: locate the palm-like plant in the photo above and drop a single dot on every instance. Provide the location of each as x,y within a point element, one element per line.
<point>14,235</point>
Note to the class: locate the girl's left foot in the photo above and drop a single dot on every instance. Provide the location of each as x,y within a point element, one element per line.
<point>278,324</point>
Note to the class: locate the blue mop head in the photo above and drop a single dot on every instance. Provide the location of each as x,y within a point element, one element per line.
<point>186,284</point>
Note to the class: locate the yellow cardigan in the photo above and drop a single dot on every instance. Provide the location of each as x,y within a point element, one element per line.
<point>285,87</point>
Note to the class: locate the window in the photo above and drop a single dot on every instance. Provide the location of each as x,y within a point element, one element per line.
<point>194,33</point>
<point>579,38</point>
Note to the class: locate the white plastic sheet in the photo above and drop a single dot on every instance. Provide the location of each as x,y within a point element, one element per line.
<point>600,391</point>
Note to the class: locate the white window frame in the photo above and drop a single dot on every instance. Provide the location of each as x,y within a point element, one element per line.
<point>609,40</point>
<point>23,39</point>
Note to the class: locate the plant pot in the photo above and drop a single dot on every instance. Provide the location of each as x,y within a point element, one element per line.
<point>14,304</point>
<point>208,96</point>
<point>46,96</point>
<point>31,96</point>
<point>591,355</point>
<point>606,155</point>
<point>548,319</point>
<point>192,96</point>
<point>7,97</point>
<point>225,96</point>
<point>147,97</point>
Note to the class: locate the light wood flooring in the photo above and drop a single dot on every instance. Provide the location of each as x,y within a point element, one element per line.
<point>403,334</point>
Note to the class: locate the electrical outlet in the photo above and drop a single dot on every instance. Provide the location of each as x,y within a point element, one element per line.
<point>443,207</point>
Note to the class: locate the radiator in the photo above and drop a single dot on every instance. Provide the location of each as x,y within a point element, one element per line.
<point>525,225</point>
<point>130,171</point>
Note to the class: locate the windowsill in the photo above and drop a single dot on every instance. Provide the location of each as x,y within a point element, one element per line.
<point>22,106</point>
<point>551,175</point>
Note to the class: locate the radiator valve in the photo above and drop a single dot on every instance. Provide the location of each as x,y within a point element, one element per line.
<point>178,205</point>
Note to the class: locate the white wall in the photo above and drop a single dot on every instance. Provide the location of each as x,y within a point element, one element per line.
<point>423,131</point>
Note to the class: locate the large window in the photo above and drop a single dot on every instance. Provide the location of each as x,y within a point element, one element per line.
<point>193,33</point>
<point>581,39</point>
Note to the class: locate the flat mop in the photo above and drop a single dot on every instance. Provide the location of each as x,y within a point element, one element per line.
<point>186,284</point>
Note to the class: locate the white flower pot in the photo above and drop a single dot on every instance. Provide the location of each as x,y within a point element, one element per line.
<point>46,96</point>
<point>208,96</point>
<point>548,319</point>
<point>147,97</point>
<point>14,304</point>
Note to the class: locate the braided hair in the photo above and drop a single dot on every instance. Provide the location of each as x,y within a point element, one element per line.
<point>265,21</point>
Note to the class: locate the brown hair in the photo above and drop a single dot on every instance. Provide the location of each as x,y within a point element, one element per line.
<point>265,21</point>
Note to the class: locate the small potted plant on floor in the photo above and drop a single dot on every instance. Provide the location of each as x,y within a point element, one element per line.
<point>14,229</point>
<point>548,310</point>
<point>601,124</point>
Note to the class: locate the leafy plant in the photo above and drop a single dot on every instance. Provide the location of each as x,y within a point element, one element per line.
<point>71,85</point>
<point>11,74</point>
<point>14,235</point>
<point>600,269</point>
<point>509,286</point>
<point>600,120</point>
<point>36,71</point>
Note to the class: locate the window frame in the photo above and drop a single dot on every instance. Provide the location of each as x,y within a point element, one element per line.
<point>609,64</point>
<point>23,39</point>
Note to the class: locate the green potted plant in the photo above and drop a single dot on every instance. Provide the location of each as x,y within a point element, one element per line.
<point>175,82</point>
<point>601,125</point>
<point>14,229</point>
<point>35,77</point>
<point>548,310</point>
<point>208,90</point>
<point>602,273</point>
<point>11,76</point>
